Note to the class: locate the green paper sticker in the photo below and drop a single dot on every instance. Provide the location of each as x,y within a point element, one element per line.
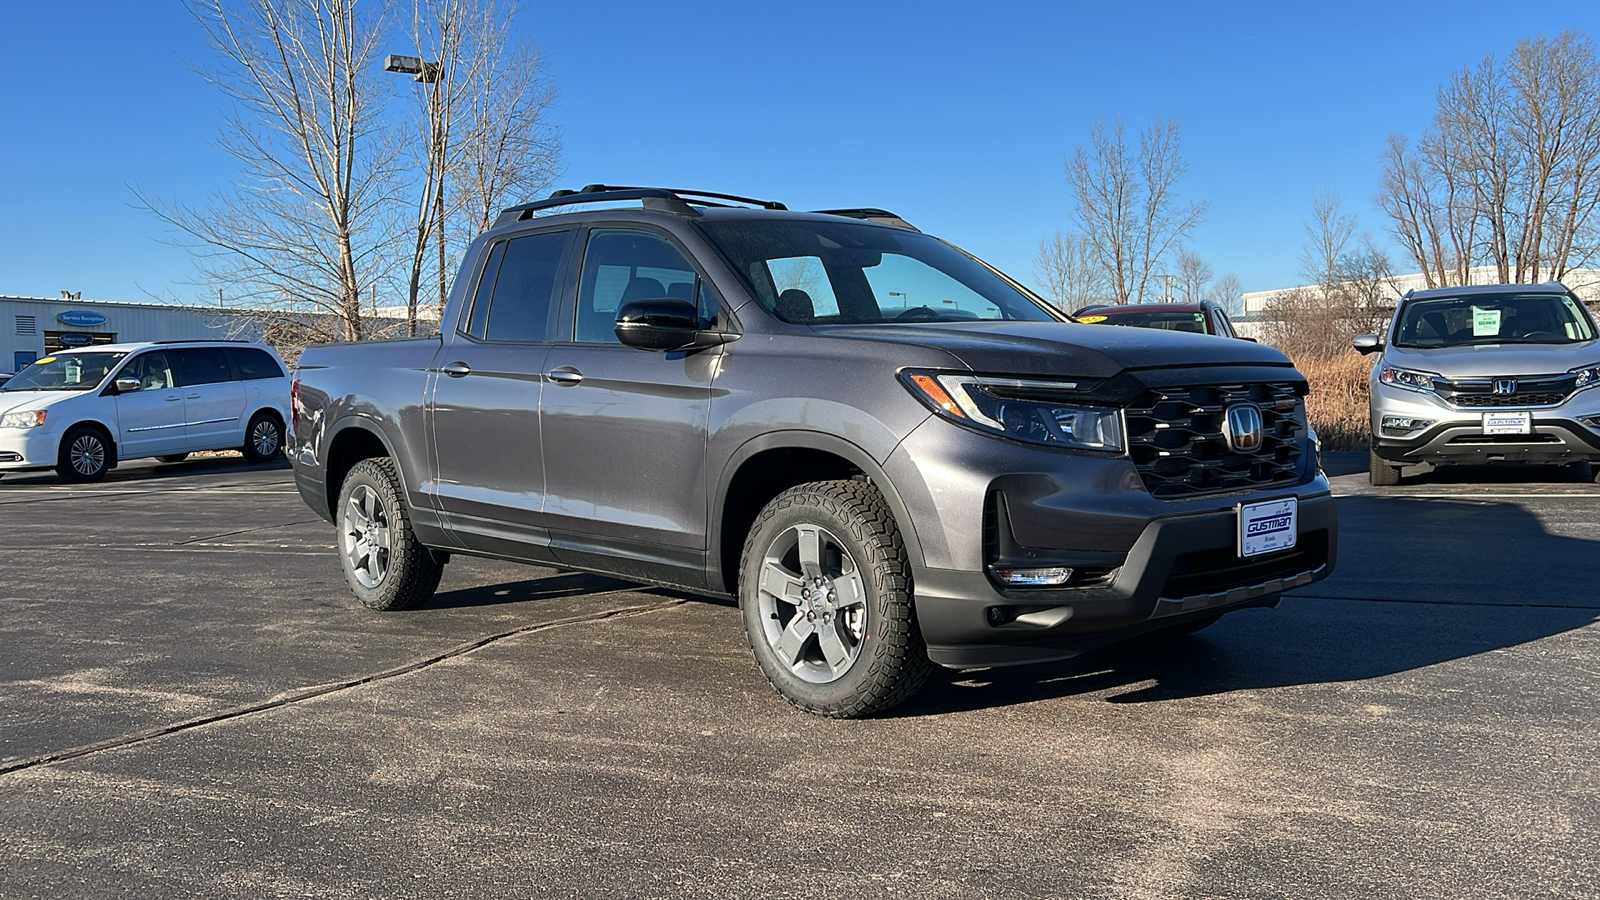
<point>1485,322</point>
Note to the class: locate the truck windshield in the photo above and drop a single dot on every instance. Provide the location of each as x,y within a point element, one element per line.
<point>815,272</point>
<point>1508,318</point>
<point>65,372</point>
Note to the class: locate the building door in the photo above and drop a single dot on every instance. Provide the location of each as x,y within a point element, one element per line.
<point>23,359</point>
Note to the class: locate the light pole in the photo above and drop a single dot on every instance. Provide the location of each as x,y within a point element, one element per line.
<point>905,299</point>
<point>428,73</point>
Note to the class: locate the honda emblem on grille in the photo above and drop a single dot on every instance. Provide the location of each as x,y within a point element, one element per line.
<point>1505,385</point>
<point>1242,427</point>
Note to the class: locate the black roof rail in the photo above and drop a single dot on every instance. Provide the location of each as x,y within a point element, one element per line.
<point>664,199</point>
<point>871,214</point>
<point>204,341</point>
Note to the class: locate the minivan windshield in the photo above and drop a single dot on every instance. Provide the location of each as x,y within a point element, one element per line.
<point>1192,322</point>
<point>814,272</point>
<point>65,372</point>
<point>1509,318</point>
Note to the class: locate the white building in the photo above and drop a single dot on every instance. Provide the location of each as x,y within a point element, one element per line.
<point>1583,282</point>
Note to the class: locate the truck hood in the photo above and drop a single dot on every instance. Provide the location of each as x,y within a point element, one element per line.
<point>1066,349</point>
<point>1489,360</point>
<point>22,400</point>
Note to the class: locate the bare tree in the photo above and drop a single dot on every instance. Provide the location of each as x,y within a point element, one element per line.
<point>1508,176</point>
<point>1328,233</point>
<point>1067,267</point>
<point>1227,291</point>
<point>300,229</point>
<point>1194,276</point>
<point>1126,203</point>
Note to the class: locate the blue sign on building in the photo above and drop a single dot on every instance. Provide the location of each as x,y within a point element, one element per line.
<point>81,319</point>
<point>75,339</point>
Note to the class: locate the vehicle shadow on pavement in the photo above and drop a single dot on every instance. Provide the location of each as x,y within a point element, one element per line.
<point>141,470</point>
<point>1419,582</point>
<point>552,587</point>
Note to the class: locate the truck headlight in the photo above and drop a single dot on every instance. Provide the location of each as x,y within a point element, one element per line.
<point>1020,409</point>
<point>1587,377</point>
<point>1409,379</point>
<point>32,418</point>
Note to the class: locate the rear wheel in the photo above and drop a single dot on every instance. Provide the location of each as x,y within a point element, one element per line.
<point>825,593</point>
<point>1379,472</point>
<point>384,564</point>
<point>85,455</point>
<point>263,438</point>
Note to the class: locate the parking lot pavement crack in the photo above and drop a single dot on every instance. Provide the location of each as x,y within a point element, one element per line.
<point>201,540</point>
<point>1474,603</point>
<point>304,694</point>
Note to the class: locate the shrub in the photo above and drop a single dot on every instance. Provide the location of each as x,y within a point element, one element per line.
<point>1337,406</point>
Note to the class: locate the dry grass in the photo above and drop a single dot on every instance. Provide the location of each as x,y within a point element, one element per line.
<point>1338,402</point>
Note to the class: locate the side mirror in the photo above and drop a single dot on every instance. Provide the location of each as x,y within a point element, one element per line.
<point>665,323</point>
<point>1367,343</point>
<point>127,385</point>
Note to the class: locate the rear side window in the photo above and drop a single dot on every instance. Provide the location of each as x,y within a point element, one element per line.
<point>199,365</point>
<point>516,295</point>
<point>252,364</point>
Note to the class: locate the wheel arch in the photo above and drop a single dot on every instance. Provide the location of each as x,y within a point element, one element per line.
<point>766,466</point>
<point>107,432</point>
<point>351,440</point>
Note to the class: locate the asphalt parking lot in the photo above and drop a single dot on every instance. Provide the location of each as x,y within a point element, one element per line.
<point>192,704</point>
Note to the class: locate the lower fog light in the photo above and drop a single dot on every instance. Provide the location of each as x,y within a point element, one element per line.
<point>1043,577</point>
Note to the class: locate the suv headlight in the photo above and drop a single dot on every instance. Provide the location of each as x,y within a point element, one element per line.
<point>1020,409</point>
<point>30,419</point>
<point>1588,377</point>
<point>1410,379</point>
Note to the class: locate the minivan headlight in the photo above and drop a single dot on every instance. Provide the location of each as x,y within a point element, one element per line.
<point>1410,379</point>
<point>29,419</point>
<point>1587,377</point>
<point>1018,408</point>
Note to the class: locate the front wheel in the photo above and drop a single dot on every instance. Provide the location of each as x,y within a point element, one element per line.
<point>825,593</point>
<point>384,564</point>
<point>85,455</point>
<point>263,438</point>
<point>1379,472</point>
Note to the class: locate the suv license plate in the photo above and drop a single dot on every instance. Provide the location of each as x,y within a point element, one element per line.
<point>1520,422</point>
<point>1268,527</point>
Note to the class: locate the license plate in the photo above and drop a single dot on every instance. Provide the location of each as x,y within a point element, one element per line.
<point>1268,527</point>
<point>1520,422</point>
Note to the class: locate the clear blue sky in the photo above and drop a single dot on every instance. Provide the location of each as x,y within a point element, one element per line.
<point>956,115</point>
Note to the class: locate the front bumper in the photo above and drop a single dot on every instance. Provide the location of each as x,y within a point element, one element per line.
<point>28,448</point>
<point>1456,436</point>
<point>1148,563</point>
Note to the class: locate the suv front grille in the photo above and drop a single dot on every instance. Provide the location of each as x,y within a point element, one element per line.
<point>1483,401</point>
<point>1480,393</point>
<point>1176,442</point>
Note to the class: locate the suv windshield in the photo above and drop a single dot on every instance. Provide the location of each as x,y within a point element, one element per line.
<point>830,273</point>
<point>1508,318</point>
<point>65,372</point>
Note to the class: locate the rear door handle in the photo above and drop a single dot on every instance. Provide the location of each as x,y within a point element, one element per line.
<point>456,369</point>
<point>566,375</point>
<point>193,396</point>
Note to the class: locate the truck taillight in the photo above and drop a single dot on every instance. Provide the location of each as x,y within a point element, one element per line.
<point>294,398</point>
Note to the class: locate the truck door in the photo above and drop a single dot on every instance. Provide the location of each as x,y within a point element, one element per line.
<point>625,429</point>
<point>489,485</point>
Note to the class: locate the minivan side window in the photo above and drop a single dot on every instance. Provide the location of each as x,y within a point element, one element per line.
<point>151,369</point>
<point>251,363</point>
<point>200,365</point>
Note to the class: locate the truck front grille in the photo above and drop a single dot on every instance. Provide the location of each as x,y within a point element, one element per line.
<point>1176,440</point>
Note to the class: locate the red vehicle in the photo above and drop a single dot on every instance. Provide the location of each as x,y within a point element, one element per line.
<point>1205,317</point>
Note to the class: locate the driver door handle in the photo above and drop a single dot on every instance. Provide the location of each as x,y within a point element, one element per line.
<point>456,369</point>
<point>566,375</point>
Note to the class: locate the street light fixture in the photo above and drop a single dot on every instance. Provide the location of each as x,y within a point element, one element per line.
<point>905,299</point>
<point>425,72</point>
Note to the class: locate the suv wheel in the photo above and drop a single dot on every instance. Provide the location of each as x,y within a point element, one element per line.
<point>825,593</point>
<point>1379,472</point>
<point>383,562</point>
<point>84,455</point>
<point>263,438</point>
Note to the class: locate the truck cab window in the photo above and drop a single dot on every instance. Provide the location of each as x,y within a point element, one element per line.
<point>623,266</point>
<point>524,288</point>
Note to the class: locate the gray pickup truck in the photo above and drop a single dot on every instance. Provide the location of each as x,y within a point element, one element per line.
<point>890,453</point>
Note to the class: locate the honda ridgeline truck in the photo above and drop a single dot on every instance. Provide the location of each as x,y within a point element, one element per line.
<point>890,453</point>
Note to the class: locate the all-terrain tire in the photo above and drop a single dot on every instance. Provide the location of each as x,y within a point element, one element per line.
<point>1379,472</point>
<point>878,657</point>
<point>384,564</point>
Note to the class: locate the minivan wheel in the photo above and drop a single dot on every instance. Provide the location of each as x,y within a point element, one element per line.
<point>825,593</point>
<point>263,438</point>
<point>1379,472</point>
<point>84,455</point>
<point>383,562</point>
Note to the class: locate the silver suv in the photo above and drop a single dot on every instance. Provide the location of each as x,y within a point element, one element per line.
<point>1487,374</point>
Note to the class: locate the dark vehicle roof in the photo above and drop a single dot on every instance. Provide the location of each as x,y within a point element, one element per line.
<point>1469,290</point>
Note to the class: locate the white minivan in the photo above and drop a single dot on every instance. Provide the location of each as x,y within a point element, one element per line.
<point>82,411</point>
